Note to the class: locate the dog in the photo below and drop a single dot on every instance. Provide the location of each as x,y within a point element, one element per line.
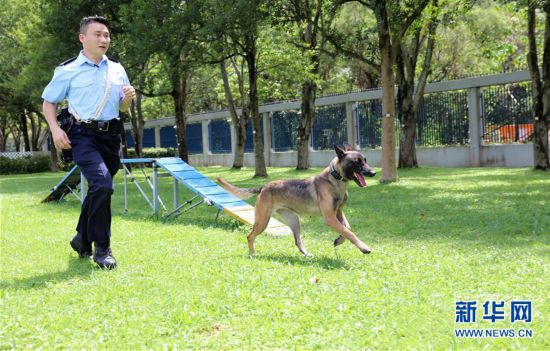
<point>325,193</point>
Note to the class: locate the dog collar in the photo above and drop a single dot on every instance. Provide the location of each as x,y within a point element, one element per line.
<point>336,175</point>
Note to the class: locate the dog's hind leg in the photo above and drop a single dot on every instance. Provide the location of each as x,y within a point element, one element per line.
<point>262,214</point>
<point>342,218</point>
<point>293,222</point>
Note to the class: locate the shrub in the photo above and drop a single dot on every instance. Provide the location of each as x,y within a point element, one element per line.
<point>153,152</point>
<point>29,164</point>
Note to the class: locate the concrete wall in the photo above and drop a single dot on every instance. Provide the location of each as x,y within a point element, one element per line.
<point>511,155</point>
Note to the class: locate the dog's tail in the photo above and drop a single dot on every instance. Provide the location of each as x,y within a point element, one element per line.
<point>241,193</point>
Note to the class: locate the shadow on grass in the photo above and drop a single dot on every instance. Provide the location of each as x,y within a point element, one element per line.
<point>77,267</point>
<point>324,262</point>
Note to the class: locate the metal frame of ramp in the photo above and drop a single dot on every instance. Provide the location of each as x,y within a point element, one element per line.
<point>211,193</point>
<point>69,184</point>
<point>204,189</point>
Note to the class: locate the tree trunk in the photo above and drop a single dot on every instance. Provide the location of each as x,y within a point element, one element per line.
<point>180,100</point>
<point>541,89</point>
<point>138,124</point>
<point>238,123</point>
<point>54,160</point>
<point>309,90</point>
<point>405,71</point>
<point>3,133</point>
<point>16,135</point>
<point>35,132</point>
<point>389,167</point>
<point>407,145</point>
<point>309,87</point>
<point>123,142</point>
<point>24,130</point>
<point>261,170</point>
<point>409,96</point>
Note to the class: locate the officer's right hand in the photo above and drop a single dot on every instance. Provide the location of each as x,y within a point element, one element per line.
<point>60,139</point>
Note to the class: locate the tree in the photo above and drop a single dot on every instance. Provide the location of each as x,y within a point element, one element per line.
<point>161,30</point>
<point>19,91</point>
<point>541,83</point>
<point>233,29</point>
<point>307,16</point>
<point>239,121</point>
<point>409,94</point>
<point>389,170</point>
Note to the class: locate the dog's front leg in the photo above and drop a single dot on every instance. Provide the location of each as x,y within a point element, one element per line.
<point>332,221</point>
<point>342,219</point>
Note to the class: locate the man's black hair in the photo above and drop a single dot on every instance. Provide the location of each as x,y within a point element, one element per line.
<point>85,21</point>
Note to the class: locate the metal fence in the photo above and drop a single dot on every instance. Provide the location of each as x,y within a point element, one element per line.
<point>443,120</point>
<point>506,113</point>
<point>16,154</point>
<point>284,130</point>
<point>219,135</point>
<point>329,127</point>
<point>168,138</point>
<point>249,142</point>
<point>193,133</point>
<point>369,120</point>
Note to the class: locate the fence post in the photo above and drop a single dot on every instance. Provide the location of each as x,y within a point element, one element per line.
<point>474,123</point>
<point>157,136</point>
<point>351,127</point>
<point>267,138</point>
<point>205,141</point>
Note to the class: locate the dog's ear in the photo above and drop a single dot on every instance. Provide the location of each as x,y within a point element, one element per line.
<point>347,147</point>
<point>339,152</point>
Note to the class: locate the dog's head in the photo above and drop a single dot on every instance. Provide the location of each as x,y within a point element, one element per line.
<point>353,165</point>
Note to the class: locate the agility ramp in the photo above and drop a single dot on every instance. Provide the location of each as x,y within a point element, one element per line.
<point>211,193</point>
<point>68,185</point>
<point>205,191</point>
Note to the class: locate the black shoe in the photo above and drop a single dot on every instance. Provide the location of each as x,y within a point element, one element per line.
<point>83,250</point>
<point>104,258</point>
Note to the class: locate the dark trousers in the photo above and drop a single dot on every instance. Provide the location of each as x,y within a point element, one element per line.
<point>97,155</point>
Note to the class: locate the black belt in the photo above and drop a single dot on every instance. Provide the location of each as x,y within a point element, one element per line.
<point>112,125</point>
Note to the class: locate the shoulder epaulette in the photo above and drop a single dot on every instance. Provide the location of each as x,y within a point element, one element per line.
<point>68,61</point>
<point>112,59</point>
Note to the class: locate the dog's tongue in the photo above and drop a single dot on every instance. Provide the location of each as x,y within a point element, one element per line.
<point>360,180</point>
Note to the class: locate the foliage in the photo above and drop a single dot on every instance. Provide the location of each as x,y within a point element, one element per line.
<point>439,236</point>
<point>153,152</point>
<point>28,164</point>
<point>487,39</point>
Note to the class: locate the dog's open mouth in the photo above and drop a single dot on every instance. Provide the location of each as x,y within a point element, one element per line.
<point>359,179</point>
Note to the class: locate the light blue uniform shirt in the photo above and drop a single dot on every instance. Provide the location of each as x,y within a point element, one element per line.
<point>83,84</point>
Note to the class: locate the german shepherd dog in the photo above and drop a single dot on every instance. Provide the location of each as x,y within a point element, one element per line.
<point>325,193</point>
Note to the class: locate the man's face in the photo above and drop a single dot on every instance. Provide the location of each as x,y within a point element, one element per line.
<point>96,39</point>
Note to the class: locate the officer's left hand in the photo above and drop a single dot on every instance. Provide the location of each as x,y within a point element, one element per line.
<point>129,92</point>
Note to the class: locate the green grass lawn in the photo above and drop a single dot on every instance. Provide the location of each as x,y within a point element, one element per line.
<point>438,236</point>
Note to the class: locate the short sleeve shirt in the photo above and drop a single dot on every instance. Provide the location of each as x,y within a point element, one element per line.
<point>83,84</point>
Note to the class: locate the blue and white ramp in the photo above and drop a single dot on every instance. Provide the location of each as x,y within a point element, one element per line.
<point>215,195</point>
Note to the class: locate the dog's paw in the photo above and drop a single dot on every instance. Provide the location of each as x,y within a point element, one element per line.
<point>365,249</point>
<point>339,240</point>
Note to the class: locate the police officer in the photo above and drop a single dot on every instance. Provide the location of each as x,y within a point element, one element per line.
<point>96,88</point>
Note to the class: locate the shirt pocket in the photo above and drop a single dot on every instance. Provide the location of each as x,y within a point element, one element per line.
<point>82,83</point>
